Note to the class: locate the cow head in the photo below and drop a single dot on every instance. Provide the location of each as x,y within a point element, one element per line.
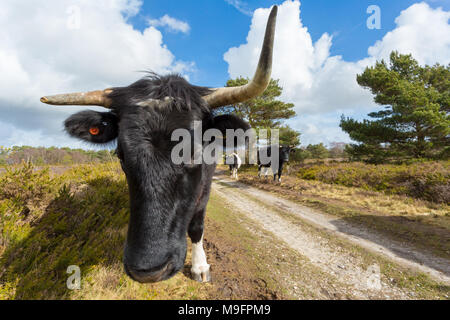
<point>284,153</point>
<point>142,118</point>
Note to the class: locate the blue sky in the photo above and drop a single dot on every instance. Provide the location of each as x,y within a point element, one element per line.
<point>216,26</point>
<point>80,45</point>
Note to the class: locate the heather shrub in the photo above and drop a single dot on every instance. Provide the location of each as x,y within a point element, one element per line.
<point>24,183</point>
<point>48,222</point>
<point>422,180</point>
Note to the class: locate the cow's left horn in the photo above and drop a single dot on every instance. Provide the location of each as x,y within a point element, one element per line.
<point>229,95</point>
<point>93,98</point>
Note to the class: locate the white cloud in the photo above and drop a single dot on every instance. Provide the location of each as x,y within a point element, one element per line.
<point>50,48</point>
<point>324,86</point>
<point>56,47</point>
<point>172,24</point>
<point>420,30</point>
<point>241,6</point>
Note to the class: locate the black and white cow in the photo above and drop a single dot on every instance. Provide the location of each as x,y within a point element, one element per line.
<point>234,162</point>
<point>275,167</point>
<point>167,200</point>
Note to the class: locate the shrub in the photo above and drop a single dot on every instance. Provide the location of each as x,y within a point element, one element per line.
<point>77,218</point>
<point>24,184</point>
<point>422,180</point>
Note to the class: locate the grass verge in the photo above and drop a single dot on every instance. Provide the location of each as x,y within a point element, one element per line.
<point>78,216</point>
<point>417,285</point>
<point>423,224</point>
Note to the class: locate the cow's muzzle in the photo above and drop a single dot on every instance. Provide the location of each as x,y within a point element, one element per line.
<point>151,275</point>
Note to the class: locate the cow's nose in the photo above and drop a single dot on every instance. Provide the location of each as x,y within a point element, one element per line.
<point>150,275</point>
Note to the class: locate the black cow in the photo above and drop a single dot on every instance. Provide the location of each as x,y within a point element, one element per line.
<point>277,167</point>
<point>167,200</point>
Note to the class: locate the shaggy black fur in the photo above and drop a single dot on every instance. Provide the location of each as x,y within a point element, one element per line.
<point>228,121</point>
<point>158,87</point>
<point>166,200</point>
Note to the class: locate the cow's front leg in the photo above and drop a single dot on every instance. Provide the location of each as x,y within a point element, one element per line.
<point>200,267</point>
<point>280,171</point>
<point>266,172</point>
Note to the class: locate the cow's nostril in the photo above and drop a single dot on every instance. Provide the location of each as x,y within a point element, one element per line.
<point>150,275</point>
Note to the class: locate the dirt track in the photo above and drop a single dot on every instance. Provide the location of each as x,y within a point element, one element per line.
<point>314,234</point>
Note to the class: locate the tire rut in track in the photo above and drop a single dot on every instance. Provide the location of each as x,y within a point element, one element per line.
<point>345,266</point>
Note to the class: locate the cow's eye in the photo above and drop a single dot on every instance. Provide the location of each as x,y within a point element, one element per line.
<point>92,126</point>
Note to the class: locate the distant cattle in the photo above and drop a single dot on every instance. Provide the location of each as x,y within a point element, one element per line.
<point>234,162</point>
<point>276,166</point>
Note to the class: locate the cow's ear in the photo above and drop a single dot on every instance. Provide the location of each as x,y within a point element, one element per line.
<point>92,126</point>
<point>292,151</point>
<point>229,121</point>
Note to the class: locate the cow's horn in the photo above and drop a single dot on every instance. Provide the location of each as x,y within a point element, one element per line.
<point>230,95</point>
<point>93,98</point>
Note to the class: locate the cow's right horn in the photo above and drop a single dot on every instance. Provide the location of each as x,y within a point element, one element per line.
<point>230,95</point>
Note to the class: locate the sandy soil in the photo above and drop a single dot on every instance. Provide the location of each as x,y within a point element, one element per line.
<point>311,238</point>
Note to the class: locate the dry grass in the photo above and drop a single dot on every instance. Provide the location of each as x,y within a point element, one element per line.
<point>423,223</point>
<point>110,283</point>
<point>78,216</point>
<point>421,180</point>
<point>372,200</point>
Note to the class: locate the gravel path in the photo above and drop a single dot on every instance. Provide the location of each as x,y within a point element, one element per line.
<point>264,208</point>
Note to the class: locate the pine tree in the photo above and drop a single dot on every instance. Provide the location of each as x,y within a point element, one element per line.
<point>264,111</point>
<point>415,121</point>
<point>318,151</point>
<point>289,137</point>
